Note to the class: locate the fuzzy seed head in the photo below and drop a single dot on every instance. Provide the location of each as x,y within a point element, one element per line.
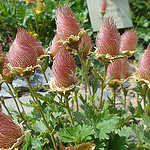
<point>87,41</point>
<point>108,39</point>
<point>22,51</point>
<point>64,69</point>
<point>144,64</point>
<point>129,40</point>
<point>55,45</point>
<point>9,131</point>
<point>119,69</point>
<point>67,23</point>
<point>103,5</point>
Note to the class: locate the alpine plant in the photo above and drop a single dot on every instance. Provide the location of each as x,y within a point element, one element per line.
<point>64,69</point>
<point>108,38</point>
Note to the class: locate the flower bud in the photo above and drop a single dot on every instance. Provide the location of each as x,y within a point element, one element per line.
<point>119,69</point>
<point>108,39</point>
<point>144,64</point>
<point>129,40</point>
<point>86,43</point>
<point>22,52</point>
<point>103,6</point>
<point>68,27</point>
<point>55,45</point>
<point>64,69</point>
<point>11,133</point>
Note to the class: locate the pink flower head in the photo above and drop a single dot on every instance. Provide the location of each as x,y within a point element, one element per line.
<point>129,40</point>
<point>10,132</point>
<point>87,42</point>
<point>67,23</point>
<point>108,39</point>
<point>144,64</point>
<point>64,69</point>
<point>119,69</point>
<point>55,46</point>
<point>38,48</point>
<point>22,51</point>
<point>103,5</point>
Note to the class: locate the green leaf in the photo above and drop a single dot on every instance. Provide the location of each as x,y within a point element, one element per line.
<point>69,135</point>
<point>36,143</point>
<point>148,96</point>
<point>124,131</point>
<point>86,131</point>
<point>131,108</point>
<point>98,76</point>
<point>39,126</point>
<point>117,143</point>
<point>80,118</point>
<point>46,98</point>
<point>138,130</point>
<point>139,110</point>
<point>146,136</point>
<point>89,112</point>
<point>146,121</point>
<point>95,86</point>
<point>107,126</point>
<point>76,134</point>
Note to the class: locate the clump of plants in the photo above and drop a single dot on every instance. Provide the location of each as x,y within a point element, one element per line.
<point>67,118</point>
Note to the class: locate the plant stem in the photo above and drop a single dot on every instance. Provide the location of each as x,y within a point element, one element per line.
<point>144,99</point>
<point>40,111</point>
<point>24,113</point>
<point>125,96</point>
<point>11,93</point>
<point>125,100</point>
<point>76,100</point>
<point>114,96</point>
<point>68,108</point>
<point>102,86</point>
<point>84,72</point>
<point>3,102</point>
<point>45,76</point>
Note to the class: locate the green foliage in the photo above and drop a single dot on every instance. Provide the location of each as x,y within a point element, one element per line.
<point>16,14</point>
<point>107,125</point>
<point>143,132</point>
<point>109,128</point>
<point>76,134</point>
<point>141,22</point>
<point>117,143</point>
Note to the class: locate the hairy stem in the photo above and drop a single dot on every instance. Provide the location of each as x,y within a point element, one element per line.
<point>41,112</point>
<point>68,108</point>
<point>11,93</point>
<point>114,96</point>
<point>102,86</point>
<point>85,73</point>
<point>45,76</point>
<point>3,103</point>
<point>24,113</point>
<point>76,100</point>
